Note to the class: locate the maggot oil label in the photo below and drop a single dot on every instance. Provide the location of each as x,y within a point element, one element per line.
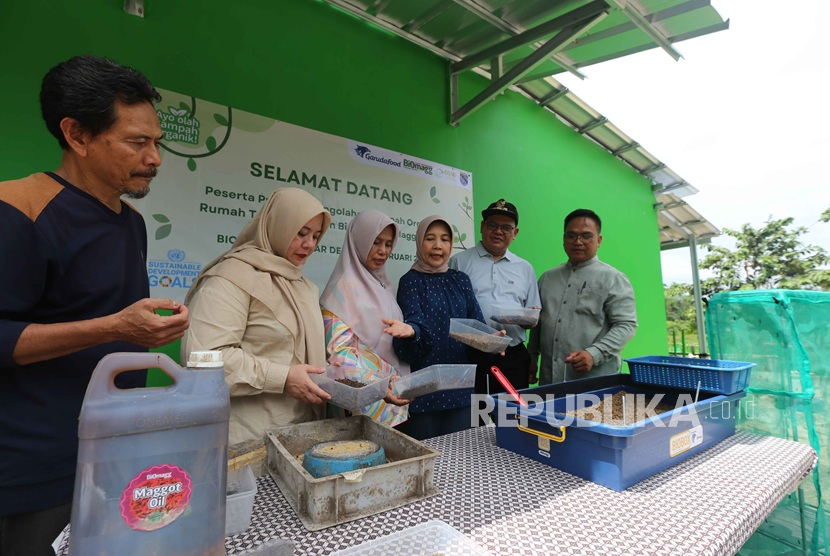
<point>155,497</point>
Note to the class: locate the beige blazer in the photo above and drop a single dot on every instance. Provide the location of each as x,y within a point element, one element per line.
<point>258,346</point>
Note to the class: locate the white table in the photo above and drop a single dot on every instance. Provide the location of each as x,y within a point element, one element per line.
<point>511,505</point>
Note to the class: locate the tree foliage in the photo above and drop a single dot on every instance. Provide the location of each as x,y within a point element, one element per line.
<point>680,308</point>
<point>773,256</point>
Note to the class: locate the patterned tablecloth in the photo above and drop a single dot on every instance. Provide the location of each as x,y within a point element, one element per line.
<point>709,504</point>
<point>509,504</point>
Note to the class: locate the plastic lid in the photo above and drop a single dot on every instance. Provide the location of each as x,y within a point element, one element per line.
<point>204,359</point>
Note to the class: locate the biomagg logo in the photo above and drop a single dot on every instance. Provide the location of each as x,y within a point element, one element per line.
<point>178,126</point>
<point>418,166</point>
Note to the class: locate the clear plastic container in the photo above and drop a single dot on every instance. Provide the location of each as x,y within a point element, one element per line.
<point>240,500</point>
<point>521,316</point>
<point>478,335</point>
<point>430,538</point>
<point>434,378</point>
<point>349,397</point>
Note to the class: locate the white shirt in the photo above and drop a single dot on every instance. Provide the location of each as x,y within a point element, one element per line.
<point>509,281</point>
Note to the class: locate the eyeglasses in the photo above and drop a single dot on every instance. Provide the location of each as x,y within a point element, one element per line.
<point>506,228</point>
<point>571,237</point>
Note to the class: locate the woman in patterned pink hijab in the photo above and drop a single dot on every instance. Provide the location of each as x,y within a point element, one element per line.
<point>360,313</point>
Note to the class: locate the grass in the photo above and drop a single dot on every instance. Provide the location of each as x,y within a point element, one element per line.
<point>692,344</point>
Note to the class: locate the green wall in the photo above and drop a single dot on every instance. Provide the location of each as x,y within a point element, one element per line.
<point>307,63</point>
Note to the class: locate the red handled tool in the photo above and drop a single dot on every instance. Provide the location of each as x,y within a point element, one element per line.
<point>507,386</point>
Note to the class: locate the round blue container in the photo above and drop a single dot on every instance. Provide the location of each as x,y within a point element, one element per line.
<point>342,456</point>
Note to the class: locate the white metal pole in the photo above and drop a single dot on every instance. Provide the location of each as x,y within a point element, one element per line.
<point>703,346</point>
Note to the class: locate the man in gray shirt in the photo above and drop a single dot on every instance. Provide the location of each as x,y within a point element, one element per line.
<point>501,278</point>
<point>588,312</point>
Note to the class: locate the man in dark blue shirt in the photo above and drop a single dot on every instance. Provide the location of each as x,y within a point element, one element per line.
<point>74,283</point>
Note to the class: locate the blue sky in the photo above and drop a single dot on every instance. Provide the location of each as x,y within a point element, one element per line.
<point>743,116</point>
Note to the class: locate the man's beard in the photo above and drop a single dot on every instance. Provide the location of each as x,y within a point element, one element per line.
<point>135,193</point>
<point>139,193</point>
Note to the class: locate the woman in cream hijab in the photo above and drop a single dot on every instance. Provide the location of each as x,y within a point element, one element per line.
<point>360,313</point>
<point>255,306</point>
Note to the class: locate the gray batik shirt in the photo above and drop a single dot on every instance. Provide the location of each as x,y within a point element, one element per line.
<point>587,307</point>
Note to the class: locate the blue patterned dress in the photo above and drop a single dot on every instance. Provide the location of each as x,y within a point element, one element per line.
<point>428,301</point>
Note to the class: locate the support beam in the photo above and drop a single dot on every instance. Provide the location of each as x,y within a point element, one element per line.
<point>601,121</point>
<point>377,6</point>
<point>703,346</point>
<point>636,16</point>
<point>672,187</point>
<point>654,168</point>
<point>348,7</point>
<point>630,147</point>
<point>557,42</point>
<point>652,18</point>
<point>427,16</point>
<point>506,27</point>
<point>570,19</point>
<point>496,67</point>
<point>553,95</point>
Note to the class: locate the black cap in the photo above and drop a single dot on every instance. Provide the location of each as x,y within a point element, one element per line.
<point>501,207</point>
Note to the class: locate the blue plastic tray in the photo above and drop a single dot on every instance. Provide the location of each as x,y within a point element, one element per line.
<point>715,375</point>
<point>615,457</point>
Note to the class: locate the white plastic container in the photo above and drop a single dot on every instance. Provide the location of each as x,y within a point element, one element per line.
<point>478,335</point>
<point>434,378</point>
<point>520,316</point>
<point>350,397</point>
<point>152,462</point>
<point>240,501</point>
<point>431,538</point>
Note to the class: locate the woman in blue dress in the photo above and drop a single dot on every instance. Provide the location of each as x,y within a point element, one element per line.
<point>429,295</point>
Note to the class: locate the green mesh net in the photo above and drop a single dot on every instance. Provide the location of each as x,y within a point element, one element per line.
<point>787,334</point>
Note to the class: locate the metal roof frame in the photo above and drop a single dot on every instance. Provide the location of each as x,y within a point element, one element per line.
<point>522,44</point>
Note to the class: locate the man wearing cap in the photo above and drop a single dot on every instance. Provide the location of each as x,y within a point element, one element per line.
<point>588,314</point>
<point>500,277</point>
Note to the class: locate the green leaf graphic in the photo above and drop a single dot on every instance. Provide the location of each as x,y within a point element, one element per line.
<point>163,231</point>
<point>191,164</point>
<point>161,218</point>
<point>432,191</point>
<point>210,143</point>
<point>220,119</point>
<point>184,105</point>
<point>435,200</point>
<point>463,237</point>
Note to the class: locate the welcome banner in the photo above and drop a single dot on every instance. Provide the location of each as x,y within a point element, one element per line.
<point>221,164</point>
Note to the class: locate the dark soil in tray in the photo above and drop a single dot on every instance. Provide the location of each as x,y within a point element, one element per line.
<point>419,390</point>
<point>481,342</point>
<point>352,383</point>
<point>521,320</point>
